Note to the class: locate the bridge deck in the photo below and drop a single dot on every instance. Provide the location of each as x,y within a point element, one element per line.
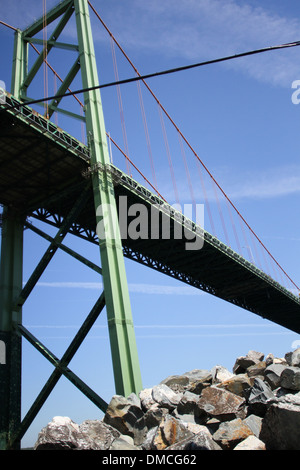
<point>43,170</point>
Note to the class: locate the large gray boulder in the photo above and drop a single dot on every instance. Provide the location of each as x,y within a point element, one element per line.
<point>201,441</point>
<point>258,397</point>
<point>237,384</point>
<point>293,358</point>
<point>231,433</point>
<point>123,413</point>
<point>243,362</point>
<point>188,403</point>
<point>220,374</point>
<point>198,379</point>
<point>221,404</point>
<point>165,396</point>
<point>178,383</point>
<point>254,423</point>
<point>169,432</point>
<point>281,424</point>
<point>272,375</point>
<point>251,443</point>
<point>290,378</point>
<point>63,434</point>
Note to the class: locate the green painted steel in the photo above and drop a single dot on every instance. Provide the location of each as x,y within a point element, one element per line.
<point>56,33</point>
<point>53,106</point>
<point>10,286</point>
<point>52,15</point>
<point>65,248</point>
<point>11,279</point>
<point>20,60</point>
<point>61,368</point>
<point>51,250</point>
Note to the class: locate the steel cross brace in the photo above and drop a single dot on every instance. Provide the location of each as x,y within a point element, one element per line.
<point>60,368</point>
<point>27,34</point>
<point>70,218</point>
<point>65,248</point>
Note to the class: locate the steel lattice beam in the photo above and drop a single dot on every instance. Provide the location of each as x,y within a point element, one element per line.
<point>60,368</point>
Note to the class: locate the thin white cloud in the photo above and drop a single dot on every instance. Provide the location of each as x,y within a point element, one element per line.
<point>23,14</point>
<point>186,336</point>
<point>141,288</point>
<point>214,335</point>
<point>276,182</point>
<point>170,326</point>
<point>196,30</point>
<point>263,184</point>
<point>192,30</point>
<point>169,331</point>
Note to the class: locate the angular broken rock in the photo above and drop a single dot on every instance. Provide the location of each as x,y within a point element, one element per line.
<point>188,403</point>
<point>60,433</point>
<point>122,443</point>
<point>198,374</point>
<point>251,443</point>
<point>281,424</point>
<point>200,441</point>
<point>272,375</point>
<point>243,362</point>
<point>146,399</point>
<point>237,384</point>
<point>219,374</point>
<point>147,444</point>
<point>170,431</point>
<point>198,380</point>
<point>221,404</point>
<point>290,378</point>
<point>258,396</point>
<point>254,423</point>
<point>63,434</point>
<point>154,415</point>
<point>165,396</point>
<point>257,369</point>
<point>122,414</point>
<point>178,383</point>
<point>96,435</point>
<point>231,433</point>
<point>293,358</point>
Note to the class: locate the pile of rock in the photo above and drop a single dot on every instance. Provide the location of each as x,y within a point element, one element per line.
<point>255,407</point>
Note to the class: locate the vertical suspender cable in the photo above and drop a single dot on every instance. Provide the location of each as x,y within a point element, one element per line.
<point>45,40</point>
<point>169,156</point>
<point>112,45</point>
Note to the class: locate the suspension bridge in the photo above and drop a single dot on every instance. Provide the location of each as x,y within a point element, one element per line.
<point>49,175</point>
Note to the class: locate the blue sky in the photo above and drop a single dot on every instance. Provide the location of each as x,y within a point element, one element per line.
<point>240,119</point>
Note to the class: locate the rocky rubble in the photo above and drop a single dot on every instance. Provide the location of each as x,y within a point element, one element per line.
<point>254,407</point>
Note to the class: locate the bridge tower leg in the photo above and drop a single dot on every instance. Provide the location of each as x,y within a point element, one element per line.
<point>11,275</point>
<point>120,323</point>
<point>11,270</point>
